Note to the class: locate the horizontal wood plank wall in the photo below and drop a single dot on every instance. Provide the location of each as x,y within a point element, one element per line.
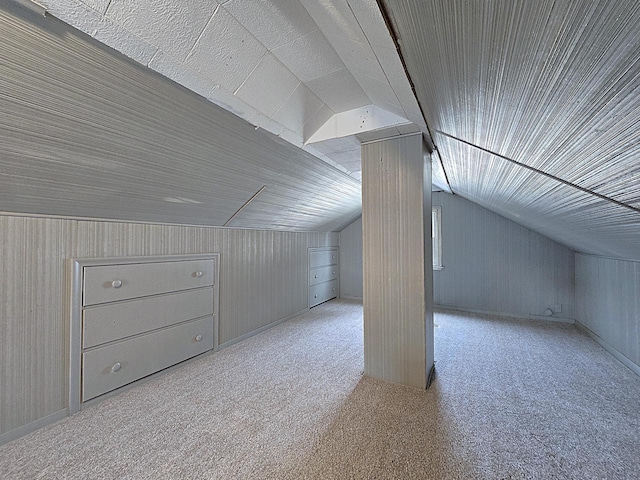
<point>263,278</point>
<point>351,260</point>
<point>496,265</point>
<point>608,302</point>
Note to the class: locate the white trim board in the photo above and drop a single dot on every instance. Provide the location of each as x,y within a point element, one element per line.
<point>31,427</point>
<point>23,430</point>
<point>618,356</point>
<point>261,329</point>
<point>508,315</point>
<point>145,222</point>
<point>347,297</point>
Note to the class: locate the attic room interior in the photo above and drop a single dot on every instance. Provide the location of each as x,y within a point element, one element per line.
<point>285,239</point>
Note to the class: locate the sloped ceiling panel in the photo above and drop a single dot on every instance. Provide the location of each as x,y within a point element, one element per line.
<point>551,85</point>
<point>358,34</point>
<point>570,216</point>
<point>86,132</point>
<point>286,66</point>
<point>265,61</point>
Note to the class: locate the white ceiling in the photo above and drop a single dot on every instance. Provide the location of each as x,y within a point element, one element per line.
<point>287,66</point>
<point>535,109</point>
<point>87,133</point>
<point>534,106</point>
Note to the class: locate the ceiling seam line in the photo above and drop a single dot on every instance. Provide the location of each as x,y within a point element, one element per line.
<point>288,97</point>
<point>387,20</point>
<point>215,11</point>
<point>548,175</point>
<point>251,73</point>
<point>244,205</point>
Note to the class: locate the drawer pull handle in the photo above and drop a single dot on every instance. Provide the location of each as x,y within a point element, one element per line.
<point>333,273</point>
<point>116,283</point>
<point>333,257</point>
<point>198,338</point>
<point>315,276</point>
<point>315,296</point>
<point>199,274</point>
<point>116,367</point>
<point>333,289</point>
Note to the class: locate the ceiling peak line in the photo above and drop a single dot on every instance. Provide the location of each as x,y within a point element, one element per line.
<point>395,37</point>
<point>540,172</point>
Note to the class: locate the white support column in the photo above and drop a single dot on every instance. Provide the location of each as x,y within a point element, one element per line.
<point>398,273</point>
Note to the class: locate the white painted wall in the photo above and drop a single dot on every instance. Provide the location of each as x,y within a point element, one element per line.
<point>263,278</point>
<point>490,264</point>
<point>608,302</point>
<point>496,265</point>
<point>398,289</point>
<point>351,260</point>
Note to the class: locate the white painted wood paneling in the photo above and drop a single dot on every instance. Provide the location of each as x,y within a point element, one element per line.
<point>87,132</point>
<point>263,278</point>
<point>584,222</point>
<point>496,265</point>
<point>220,46</point>
<point>608,302</point>
<point>550,89</point>
<point>351,260</point>
<point>398,320</point>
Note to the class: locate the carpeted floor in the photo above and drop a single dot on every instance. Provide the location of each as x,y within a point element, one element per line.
<point>512,399</point>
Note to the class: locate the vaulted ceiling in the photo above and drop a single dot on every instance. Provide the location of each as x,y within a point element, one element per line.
<point>535,110</point>
<point>287,66</point>
<point>85,132</point>
<point>533,107</point>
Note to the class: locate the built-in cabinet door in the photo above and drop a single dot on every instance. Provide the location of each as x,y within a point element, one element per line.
<point>322,292</point>
<point>111,366</point>
<point>109,283</point>
<point>323,275</point>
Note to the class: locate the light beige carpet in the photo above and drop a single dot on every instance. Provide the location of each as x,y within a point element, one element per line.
<point>511,399</point>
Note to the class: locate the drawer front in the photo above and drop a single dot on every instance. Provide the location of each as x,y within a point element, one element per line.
<point>112,366</point>
<point>322,292</point>
<point>321,258</point>
<point>109,283</point>
<point>114,321</point>
<point>323,274</point>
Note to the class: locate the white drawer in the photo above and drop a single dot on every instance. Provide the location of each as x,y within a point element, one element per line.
<point>111,366</point>
<point>321,258</point>
<point>322,292</point>
<point>323,274</point>
<point>114,321</point>
<point>108,283</point>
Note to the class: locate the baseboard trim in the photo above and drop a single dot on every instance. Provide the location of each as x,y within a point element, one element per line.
<point>618,356</point>
<point>143,380</point>
<point>260,330</point>
<point>508,315</point>
<point>16,433</point>
<point>62,414</point>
